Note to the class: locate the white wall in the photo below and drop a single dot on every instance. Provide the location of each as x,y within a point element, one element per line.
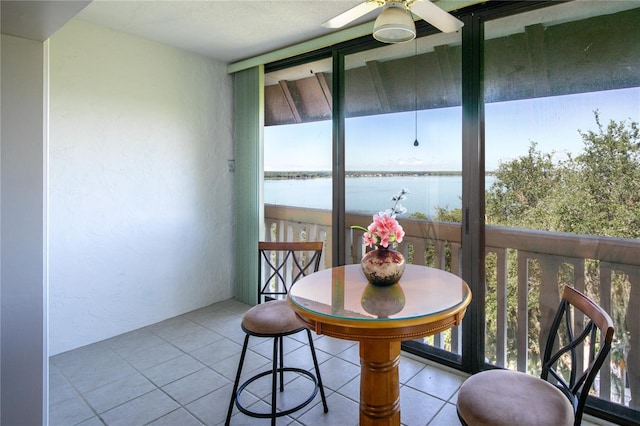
<point>140,192</point>
<point>23,232</point>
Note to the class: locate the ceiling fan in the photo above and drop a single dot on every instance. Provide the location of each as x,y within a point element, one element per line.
<point>395,24</point>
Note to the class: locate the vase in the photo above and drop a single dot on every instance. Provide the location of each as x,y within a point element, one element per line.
<point>383,266</point>
<point>383,302</point>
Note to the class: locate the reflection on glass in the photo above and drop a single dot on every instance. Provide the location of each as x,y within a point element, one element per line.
<point>383,302</point>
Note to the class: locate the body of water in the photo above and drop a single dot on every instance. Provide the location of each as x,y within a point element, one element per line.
<point>371,194</point>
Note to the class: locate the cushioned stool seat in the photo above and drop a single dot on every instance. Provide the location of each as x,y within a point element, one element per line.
<point>274,317</point>
<point>492,398</point>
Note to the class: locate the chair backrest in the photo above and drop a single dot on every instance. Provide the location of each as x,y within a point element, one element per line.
<point>572,361</point>
<point>281,264</point>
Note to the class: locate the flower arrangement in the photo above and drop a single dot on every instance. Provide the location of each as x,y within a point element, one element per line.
<point>385,230</point>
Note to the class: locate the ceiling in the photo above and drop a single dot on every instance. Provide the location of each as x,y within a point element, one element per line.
<point>37,20</point>
<point>227,30</point>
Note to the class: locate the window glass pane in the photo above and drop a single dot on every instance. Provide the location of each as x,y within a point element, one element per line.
<point>562,148</point>
<point>297,154</point>
<point>403,130</point>
<point>403,126</point>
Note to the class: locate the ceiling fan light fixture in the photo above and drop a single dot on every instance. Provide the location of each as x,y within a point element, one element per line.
<point>394,24</point>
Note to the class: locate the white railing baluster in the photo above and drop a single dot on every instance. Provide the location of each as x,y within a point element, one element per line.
<point>501,305</point>
<point>606,271</point>
<point>633,322</point>
<point>523,306</point>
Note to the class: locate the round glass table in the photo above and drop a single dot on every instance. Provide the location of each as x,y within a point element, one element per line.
<point>339,302</point>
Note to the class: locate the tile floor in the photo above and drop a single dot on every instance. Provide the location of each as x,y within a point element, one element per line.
<point>180,372</point>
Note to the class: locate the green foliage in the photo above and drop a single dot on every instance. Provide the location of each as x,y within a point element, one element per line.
<point>419,215</point>
<point>444,215</point>
<point>607,177</point>
<point>520,189</point>
<point>597,192</point>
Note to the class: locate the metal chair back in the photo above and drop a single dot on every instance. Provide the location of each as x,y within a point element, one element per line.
<point>281,264</point>
<point>564,364</point>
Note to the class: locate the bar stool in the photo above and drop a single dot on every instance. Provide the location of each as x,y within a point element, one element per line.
<point>282,264</point>
<point>572,359</point>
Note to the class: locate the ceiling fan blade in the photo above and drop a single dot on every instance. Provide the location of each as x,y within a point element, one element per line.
<point>352,14</point>
<point>437,17</point>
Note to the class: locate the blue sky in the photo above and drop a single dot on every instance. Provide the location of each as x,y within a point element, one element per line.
<point>385,142</point>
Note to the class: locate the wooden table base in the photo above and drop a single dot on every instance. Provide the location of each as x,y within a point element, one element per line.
<point>330,302</point>
<point>379,383</point>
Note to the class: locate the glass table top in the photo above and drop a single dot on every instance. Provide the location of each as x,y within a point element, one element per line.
<point>344,292</point>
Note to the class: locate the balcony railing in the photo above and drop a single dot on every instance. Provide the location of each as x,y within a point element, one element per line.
<point>526,270</point>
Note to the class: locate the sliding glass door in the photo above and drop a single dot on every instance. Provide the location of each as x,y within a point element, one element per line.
<point>403,132</point>
<point>562,101</point>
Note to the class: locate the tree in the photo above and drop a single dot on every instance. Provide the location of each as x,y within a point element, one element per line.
<point>520,189</point>
<point>606,177</point>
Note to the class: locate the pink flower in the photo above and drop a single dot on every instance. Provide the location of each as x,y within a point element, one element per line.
<point>385,230</point>
<point>369,239</point>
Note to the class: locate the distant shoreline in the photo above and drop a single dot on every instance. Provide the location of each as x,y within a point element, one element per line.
<point>328,174</point>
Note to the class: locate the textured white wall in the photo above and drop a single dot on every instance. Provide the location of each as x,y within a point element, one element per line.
<point>140,192</point>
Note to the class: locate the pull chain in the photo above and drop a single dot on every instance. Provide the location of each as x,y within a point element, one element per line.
<point>415,92</point>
